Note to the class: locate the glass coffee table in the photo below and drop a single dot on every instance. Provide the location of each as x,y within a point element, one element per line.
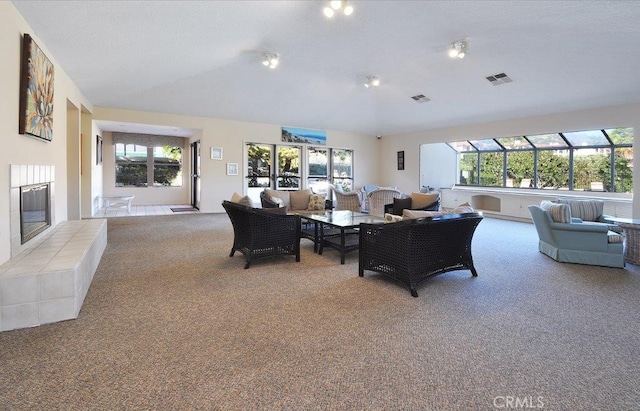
<point>339,229</point>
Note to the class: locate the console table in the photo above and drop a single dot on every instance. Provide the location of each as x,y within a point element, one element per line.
<point>117,201</point>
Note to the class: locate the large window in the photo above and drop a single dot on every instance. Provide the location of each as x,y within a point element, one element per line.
<point>592,160</point>
<point>148,161</point>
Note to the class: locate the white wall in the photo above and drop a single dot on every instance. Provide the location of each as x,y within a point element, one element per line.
<point>438,164</point>
<point>21,149</point>
<point>627,115</point>
<point>231,136</point>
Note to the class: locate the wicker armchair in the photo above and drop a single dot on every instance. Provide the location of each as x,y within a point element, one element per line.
<point>412,251</point>
<point>258,233</point>
<point>379,198</point>
<point>346,200</point>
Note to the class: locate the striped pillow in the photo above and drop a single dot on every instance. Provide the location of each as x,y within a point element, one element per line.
<point>560,213</point>
<point>586,210</point>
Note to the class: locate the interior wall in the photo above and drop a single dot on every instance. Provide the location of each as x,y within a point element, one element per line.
<point>73,161</point>
<point>22,149</point>
<point>438,164</point>
<point>231,136</point>
<point>627,115</point>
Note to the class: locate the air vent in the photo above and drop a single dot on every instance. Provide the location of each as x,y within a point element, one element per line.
<point>499,78</point>
<point>421,98</point>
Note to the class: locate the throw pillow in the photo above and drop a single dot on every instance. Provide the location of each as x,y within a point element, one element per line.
<point>299,199</point>
<point>400,204</point>
<point>281,194</point>
<point>246,200</point>
<point>422,200</point>
<point>277,200</point>
<point>420,213</point>
<point>463,208</point>
<point>392,218</point>
<point>560,213</point>
<point>316,202</point>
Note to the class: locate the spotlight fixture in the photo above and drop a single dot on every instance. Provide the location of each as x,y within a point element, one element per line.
<point>336,5</point>
<point>372,81</point>
<point>458,49</point>
<point>271,60</point>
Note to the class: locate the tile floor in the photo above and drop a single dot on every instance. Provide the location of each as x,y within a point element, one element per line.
<point>141,210</point>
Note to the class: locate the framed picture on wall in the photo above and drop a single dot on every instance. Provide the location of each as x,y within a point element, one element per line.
<point>98,150</point>
<point>232,169</point>
<point>400,160</point>
<point>216,153</point>
<point>36,92</point>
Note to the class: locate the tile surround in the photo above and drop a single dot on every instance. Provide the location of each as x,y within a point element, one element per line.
<point>47,279</point>
<point>22,175</point>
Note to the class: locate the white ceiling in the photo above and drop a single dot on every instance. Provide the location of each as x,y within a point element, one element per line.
<point>203,58</point>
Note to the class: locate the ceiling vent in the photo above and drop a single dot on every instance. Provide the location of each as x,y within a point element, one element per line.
<point>499,78</point>
<point>421,98</point>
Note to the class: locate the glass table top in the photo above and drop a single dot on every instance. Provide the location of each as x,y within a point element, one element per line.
<point>343,218</point>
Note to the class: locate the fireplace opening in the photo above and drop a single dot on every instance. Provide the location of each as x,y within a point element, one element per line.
<point>35,211</point>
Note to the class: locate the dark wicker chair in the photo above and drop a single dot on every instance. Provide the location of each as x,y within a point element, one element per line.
<point>412,251</point>
<point>258,233</point>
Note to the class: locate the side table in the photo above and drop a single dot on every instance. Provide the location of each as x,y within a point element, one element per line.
<point>631,229</point>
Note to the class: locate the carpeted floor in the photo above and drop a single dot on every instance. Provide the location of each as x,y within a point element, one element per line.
<point>171,323</point>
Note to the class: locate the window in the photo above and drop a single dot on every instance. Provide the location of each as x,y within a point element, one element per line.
<point>148,161</point>
<point>131,165</point>
<point>317,174</point>
<point>342,168</point>
<point>288,167</point>
<point>591,160</point>
<point>167,166</point>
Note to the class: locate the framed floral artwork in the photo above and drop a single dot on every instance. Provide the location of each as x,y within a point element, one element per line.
<point>36,92</point>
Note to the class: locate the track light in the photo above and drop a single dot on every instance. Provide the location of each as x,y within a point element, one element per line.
<point>458,49</point>
<point>336,5</point>
<point>372,81</point>
<point>271,60</point>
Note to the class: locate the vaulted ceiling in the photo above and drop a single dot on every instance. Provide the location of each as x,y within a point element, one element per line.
<point>203,58</point>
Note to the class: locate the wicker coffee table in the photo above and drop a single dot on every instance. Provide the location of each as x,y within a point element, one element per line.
<point>631,228</point>
<point>344,222</point>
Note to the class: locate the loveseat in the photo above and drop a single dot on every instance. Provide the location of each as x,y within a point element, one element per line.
<point>412,251</point>
<point>570,241</point>
<point>292,200</point>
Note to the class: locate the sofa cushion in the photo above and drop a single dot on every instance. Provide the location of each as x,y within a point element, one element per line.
<point>560,213</point>
<point>399,204</point>
<point>421,200</point>
<point>244,200</point>
<point>299,200</point>
<point>316,202</point>
<point>585,209</point>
